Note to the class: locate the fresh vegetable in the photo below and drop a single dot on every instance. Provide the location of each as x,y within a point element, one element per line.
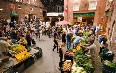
<point>22,56</point>
<point>67,66</point>
<point>77,69</point>
<point>109,63</point>
<point>17,48</point>
<point>83,61</point>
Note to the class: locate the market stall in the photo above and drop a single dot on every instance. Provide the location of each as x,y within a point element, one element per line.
<point>80,60</point>
<point>107,56</point>
<point>17,57</point>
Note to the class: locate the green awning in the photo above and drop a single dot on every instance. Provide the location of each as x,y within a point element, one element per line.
<point>13,14</point>
<point>83,14</point>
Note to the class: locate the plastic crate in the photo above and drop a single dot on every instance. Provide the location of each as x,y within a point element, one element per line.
<point>19,68</point>
<point>39,54</point>
<point>29,62</point>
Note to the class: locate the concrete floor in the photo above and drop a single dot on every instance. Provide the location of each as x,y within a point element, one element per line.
<point>50,61</point>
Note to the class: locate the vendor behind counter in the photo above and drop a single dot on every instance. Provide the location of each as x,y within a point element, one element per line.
<point>4,46</point>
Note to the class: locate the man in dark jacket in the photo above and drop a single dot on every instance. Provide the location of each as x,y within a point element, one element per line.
<point>55,45</point>
<point>68,41</point>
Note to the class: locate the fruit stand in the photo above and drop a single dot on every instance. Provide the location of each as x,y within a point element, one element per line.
<point>18,58</point>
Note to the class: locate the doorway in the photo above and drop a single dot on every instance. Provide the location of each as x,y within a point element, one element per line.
<point>30,17</point>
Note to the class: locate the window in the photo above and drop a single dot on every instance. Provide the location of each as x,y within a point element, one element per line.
<point>26,17</point>
<point>28,1</point>
<point>92,5</point>
<point>19,6</point>
<point>34,1</point>
<point>76,7</point>
<point>34,17</point>
<point>31,8</point>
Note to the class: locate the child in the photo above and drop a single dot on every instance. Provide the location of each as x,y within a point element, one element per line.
<point>55,45</point>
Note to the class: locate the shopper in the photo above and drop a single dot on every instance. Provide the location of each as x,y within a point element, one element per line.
<point>68,41</point>
<point>55,45</point>
<point>64,38</point>
<point>41,35</point>
<point>28,38</point>
<point>55,35</point>
<point>13,34</point>
<point>12,24</point>
<point>36,32</point>
<point>103,44</point>
<point>61,52</point>
<point>49,33</point>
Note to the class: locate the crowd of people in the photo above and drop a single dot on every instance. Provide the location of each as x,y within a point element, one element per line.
<point>65,33</point>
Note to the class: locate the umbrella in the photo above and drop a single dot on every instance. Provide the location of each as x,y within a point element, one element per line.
<point>63,22</point>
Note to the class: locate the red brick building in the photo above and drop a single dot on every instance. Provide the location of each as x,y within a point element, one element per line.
<point>86,11</point>
<point>100,15</point>
<point>22,9</point>
<point>80,10</point>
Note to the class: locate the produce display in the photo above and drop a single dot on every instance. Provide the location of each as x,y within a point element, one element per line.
<point>77,69</point>
<point>20,52</point>
<point>108,67</point>
<point>22,41</point>
<point>82,63</point>
<point>78,47</point>
<point>22,56</point>
<point>17,48</point>
<point>67,66</point>
<point>110,64</point>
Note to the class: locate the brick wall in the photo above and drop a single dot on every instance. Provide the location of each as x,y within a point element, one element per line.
<point>5,13</point>
<point>25,9</point>
<point>112,28</point>
<point>100,16</point>
<point>81,8</point>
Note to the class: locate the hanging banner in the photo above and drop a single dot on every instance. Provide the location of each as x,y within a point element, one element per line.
<point>79,19</point>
